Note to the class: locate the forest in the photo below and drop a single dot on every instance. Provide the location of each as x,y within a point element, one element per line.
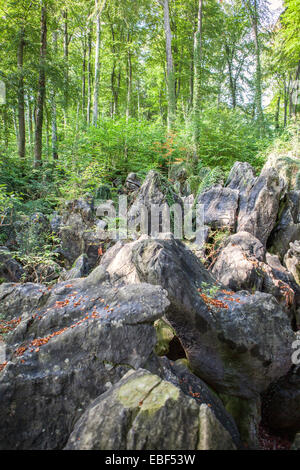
<point>116,333</point>
<point>97,89</point>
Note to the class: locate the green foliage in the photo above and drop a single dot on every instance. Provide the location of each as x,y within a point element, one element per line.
<point>209,290</point>
<point>227,136</point>
<point>211,178</point>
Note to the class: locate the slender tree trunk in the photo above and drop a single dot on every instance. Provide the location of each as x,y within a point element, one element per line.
<point>286,100</point>
<point>88,112</point>
<point>41,91</point>
<point>99,10</point>
<point>5,126</point>
<point>15,124</point>
<point>53,107</point>
<point>129,80</point>
<point>253,15</point>
<point>277,113</point>
<point>138,99</point>
<point>197,78</point>
<point>170,66</point>
<point>66,78</point>
<point>84,77</point>
<point>21,100</point>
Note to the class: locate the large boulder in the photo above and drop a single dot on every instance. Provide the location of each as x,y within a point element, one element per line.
<point>180,375</point>
<point>79,269</point>
<point>244,264</point>
<point>21,299</point>
<point>236,342</point>
<point>292,260</point>
<point>241,176</point>
<point>155,191</point>
<point>133,182</point>
<point>259,200</point>
<point>79,233</point>
<point>287,165</point>
<point>238,263</point>
<point>220,207</point>
<point>10,269</point>
<point>81,338</point>
<point>259,207</point>
<point>281,403</point>
<point>287,228</point>
<point>144,412</point>
<point>279,282</point>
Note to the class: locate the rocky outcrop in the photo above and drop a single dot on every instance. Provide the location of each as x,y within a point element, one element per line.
<point>236,342</point>
<point>155,191</point>
<point>241,177</point>
<point>10,269</point>
<point>238,263</point>
<point>281,403</point>
<point>145,412</point>
<point>259,204</point>
<point>287,228</point>
<point>179,374</point>
<point>292,260</point>
<point>79,233</point>
<point>21,299</point>
<point>72,344</point>
<point>132,183</point>
<point>220,207</point>
<point>79,269</point>
<point>279,282</point>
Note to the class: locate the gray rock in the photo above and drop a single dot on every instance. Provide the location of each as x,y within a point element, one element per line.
<point>10,269</point>
<point>292,259</point>
<point>296,442</point>
<point>238,344</point>
<point>237,266</point>
<point>20,299</point>
<point>154,191</point>
<point>279,282</point>
<point>247,415</point>
<point>80,269</point>
<point>79,233</point>
<point>259,204</point>
<point>144,412</point>
<point>220,207</point>
<point>79,341</point>
<point>287,229</point>
<point>281,403</point>
<point>132,183</point>
<point>241,176</point>
<point>55,222</point>
<point>179,374</point>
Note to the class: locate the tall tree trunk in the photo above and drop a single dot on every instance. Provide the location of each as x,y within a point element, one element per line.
<point>170,66</point>
<point>84,77</point>
<point>197,77</point>
<point>129,80</point>
<point>53,108</point>
<point>99,9</point>
<point>253,15</point>
<point>29,122</point>
<point>232,84</point>
<point>15,123</point>
<point>277,113</point>
<point>286,100</point>
<point>66,78</point>
<point>41,91</point>
<point>88,111</point>
<point>21,100</point>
